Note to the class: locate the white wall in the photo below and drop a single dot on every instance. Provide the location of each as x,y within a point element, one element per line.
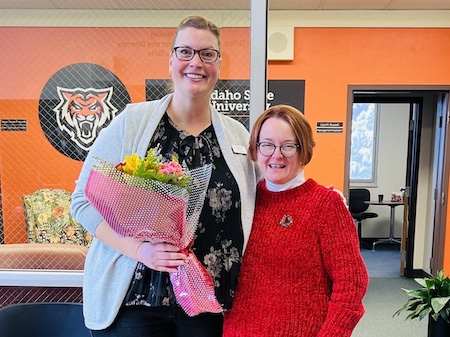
<point>392,159</point>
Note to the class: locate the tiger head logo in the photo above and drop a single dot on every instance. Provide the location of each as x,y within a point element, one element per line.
<point>83,112</point>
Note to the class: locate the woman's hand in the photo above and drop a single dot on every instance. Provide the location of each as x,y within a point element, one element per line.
<point>160,256</point>
<point>344,199</point>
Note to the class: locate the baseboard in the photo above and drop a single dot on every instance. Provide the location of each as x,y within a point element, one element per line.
<point>419,273</point>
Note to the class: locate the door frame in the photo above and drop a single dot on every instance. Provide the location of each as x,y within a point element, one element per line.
<point>442,181</point>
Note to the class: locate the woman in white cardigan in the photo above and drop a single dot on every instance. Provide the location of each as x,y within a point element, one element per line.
<point>127,290</point>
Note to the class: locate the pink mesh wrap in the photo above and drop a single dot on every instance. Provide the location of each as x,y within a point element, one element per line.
<point>157,212</point>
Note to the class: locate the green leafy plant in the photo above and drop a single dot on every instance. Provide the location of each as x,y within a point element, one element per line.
<point>432,299</point>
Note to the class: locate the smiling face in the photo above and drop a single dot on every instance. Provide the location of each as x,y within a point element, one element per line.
<point>278,169</point>
<point>194,78</point>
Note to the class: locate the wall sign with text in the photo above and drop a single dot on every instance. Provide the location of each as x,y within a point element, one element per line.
<point>232,97</point>
<point>330,127</point>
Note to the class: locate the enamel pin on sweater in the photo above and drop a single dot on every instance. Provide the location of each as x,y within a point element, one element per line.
<point>286,221</point>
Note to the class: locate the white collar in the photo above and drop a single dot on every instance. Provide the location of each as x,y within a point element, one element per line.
<point>297,181</point>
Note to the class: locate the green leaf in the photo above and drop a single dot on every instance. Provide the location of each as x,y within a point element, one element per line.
<point>423,312</point>
<point>439,303</point>
<point>421,282</point>
<point>433,298</point>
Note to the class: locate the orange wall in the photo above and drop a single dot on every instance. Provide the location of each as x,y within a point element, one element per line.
<point>328,59</point>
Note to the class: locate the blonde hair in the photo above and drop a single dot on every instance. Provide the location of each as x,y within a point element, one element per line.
<point>197,22</point>
<point>297,121</point>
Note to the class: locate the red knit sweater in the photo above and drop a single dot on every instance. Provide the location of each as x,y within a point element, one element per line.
<point>306,279</point>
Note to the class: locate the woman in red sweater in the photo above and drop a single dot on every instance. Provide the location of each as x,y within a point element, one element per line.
<point>302,273</point>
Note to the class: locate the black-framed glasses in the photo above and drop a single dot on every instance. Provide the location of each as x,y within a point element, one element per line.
<point>287,150</point>
<point>207,55</point>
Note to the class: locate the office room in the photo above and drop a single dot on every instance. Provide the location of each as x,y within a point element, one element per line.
<point>340,56</point>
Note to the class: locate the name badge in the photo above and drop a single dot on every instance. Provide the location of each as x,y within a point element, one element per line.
<point>239,149</point>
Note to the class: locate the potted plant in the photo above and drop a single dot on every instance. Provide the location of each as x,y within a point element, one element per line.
<point>432,300</point>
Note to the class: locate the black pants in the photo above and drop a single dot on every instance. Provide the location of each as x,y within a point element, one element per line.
<point>138,321</point>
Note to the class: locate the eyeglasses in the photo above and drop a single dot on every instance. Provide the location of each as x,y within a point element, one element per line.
<point>207,55</point>
<point>287,150</point>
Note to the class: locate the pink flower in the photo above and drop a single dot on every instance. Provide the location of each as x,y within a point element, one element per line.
<point>171,168</point>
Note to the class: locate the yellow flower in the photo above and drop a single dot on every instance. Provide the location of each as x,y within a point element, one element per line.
<point>154,167</point>
<point>131,163</point>
<point>55,239</point>
<point>70,231</point>
<point>88,237</point>
<point>42,218</point>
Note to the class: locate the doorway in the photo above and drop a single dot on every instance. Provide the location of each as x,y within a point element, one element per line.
<point>426,164</point>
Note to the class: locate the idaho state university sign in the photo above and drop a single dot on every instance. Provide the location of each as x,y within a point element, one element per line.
<point>232,97</point>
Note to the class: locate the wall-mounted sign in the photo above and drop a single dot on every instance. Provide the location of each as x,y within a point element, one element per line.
<point>330,127</point>
<point>14,125</point>
<point>76,103</point>
<point>232,97</point>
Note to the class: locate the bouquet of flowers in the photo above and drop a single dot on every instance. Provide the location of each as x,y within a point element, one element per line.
<point>158,201</point>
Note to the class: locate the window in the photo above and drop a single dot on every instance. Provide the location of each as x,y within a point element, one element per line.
<point>363,157</point>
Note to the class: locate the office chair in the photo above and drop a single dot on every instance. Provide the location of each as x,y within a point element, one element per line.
<point>43,319</point>
<point>358,207</point>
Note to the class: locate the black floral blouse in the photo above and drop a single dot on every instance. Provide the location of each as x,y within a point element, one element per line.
<point>219,239</point>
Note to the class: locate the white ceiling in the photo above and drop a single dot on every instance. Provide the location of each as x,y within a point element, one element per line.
<point>359,4</point>
<point>228,4</point>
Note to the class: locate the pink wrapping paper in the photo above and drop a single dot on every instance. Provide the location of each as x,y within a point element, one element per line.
<point>193,296</point>
<point>156,212</point>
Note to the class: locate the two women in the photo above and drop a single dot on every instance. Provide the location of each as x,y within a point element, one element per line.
<point>303,275</point>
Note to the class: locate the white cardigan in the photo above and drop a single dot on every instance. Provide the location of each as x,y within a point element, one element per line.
<point>108,273</point>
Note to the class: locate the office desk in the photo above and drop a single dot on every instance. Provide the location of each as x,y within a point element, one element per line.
<point>392,205</point>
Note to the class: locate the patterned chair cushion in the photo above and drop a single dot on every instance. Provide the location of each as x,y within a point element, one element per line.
<point>48,218</point>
